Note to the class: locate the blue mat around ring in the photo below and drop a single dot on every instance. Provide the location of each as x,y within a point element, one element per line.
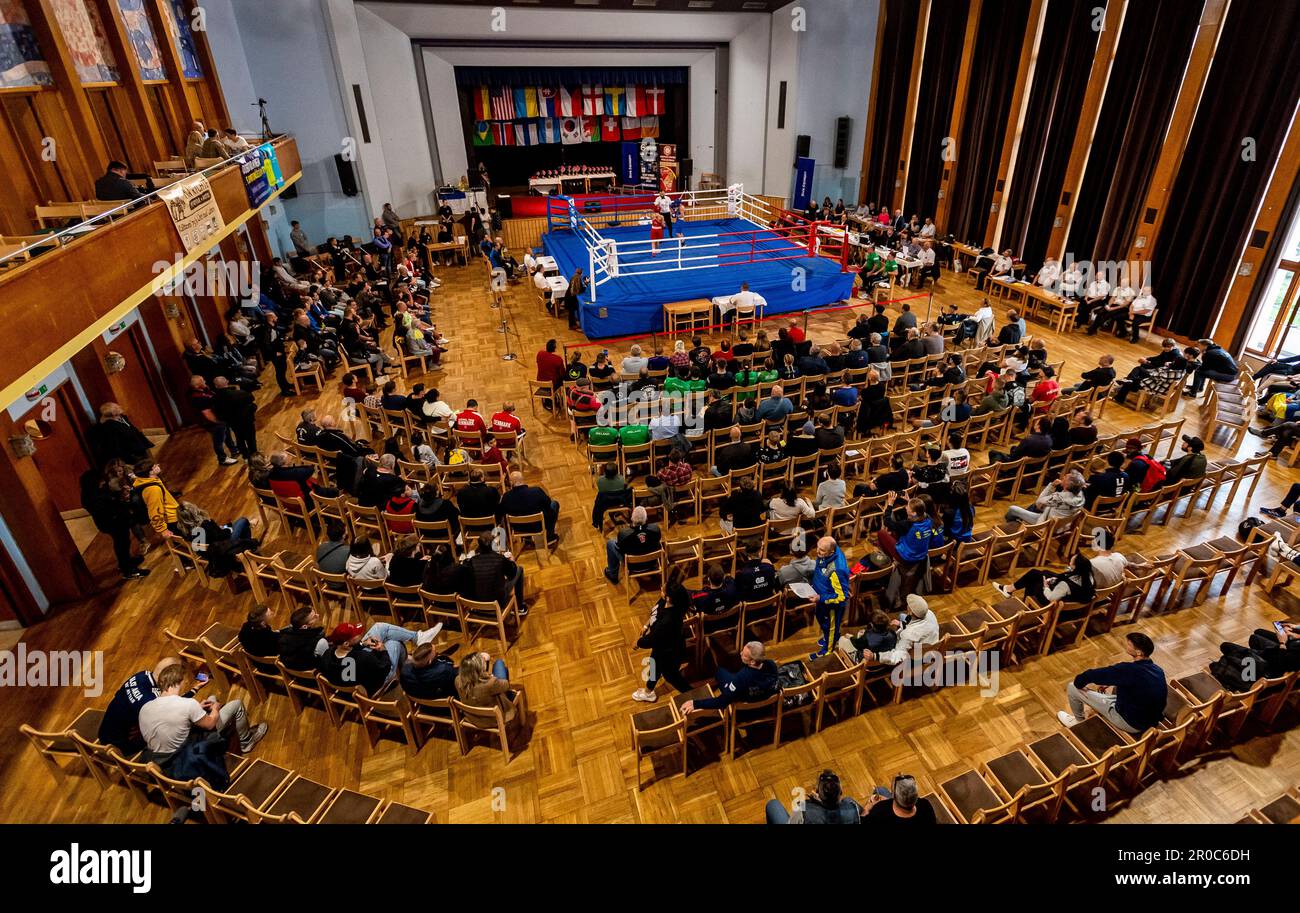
<point>634,304</point>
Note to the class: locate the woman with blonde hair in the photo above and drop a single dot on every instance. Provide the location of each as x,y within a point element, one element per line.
<point>680,359</point>
<point>479,686</point>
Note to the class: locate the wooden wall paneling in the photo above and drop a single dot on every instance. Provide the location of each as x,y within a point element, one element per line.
<point>20,185</point>
<point>944,206</point>
<point>167,335</point>
<point>1016,120</point>
<point>871,105</point>
<point>89,368</point>
<point>913,94</point>
<point>139,144</point>
<point>1230,330</point>
<point>133,85</point>
<point>1213,15</point>
<point>72,171</point>
<point>63,449</point>
<point>38,530</point>
<point>1086,128</point>
<point>114,143</point>
<point>87,148</point>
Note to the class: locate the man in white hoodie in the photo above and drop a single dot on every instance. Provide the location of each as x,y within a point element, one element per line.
<point>920,629</point>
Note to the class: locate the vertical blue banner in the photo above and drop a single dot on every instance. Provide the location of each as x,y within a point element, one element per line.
<point>803,181</point>
<point>631,163</point>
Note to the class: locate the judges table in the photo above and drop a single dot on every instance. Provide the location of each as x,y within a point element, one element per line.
<point>1035,301</point>
<point>687,315</point>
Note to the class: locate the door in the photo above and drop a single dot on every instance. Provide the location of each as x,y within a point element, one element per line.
<point>139,388</point>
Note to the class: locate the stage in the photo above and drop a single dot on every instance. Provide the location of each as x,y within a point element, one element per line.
<point>532,206</point>
<point>634,303</point>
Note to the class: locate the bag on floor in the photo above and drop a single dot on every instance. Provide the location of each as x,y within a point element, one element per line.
<point>789,676</point>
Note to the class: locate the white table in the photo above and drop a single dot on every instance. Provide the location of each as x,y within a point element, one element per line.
<point>558,285</point>
<point>545,185</point>
<point>725,303</point>
<point>548,265</point>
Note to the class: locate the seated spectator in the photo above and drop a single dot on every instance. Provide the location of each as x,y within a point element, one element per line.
<point>1037,443</point>
<point>824,804</point>
<point>788,505</point>
<point>522,500</point>
<point>478,499</point>
<point>1098,378</point>
<point>481,685</point>
<point>187,738</point>
<point>755,680</point>
<point>638,538</point>
<point>1268,653</point>
<point>364,564</point>
<point>1107,564</point>
<point>918,627</point>
<point>832,490</point>
<point>878,637</point>
<point>1111,482</point>
<point>1075,584</point>
<point>756,578</point>
<point>775,407</point>
<point>380,482</point>
<point>120,726</point>
<point>256,635</point>
<point>734,455</point>
<point>1192,463</point>
<point>489,575</point>
<point>634,362</point>
<point>303,640</point>
<point>719,593</point>
<point>1135,695</point>
<point>426,675</point>
<point>407,566</point>
<point>900,805</point>
<point>1290,502</point>
<point>372,658</point>
<point>1059,500</point>
<point>332,553</point>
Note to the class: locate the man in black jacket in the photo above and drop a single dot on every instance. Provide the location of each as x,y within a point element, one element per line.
<point>1216,364</point>
<point>380,483</point>
<point>755,680</point>
<point>270,340</point>
<point>109,507</point>
<point>488,575</point>
<point>640,538</point>
<point>237,410</point>
<point>113,185</point>
<point>744,507</point>
<point>1135,695</point>
<point>1099,378</point>
<point>812,364</point>
<point>736,454</point>
<point>478,499</point>
<point>114,436</point>
<point>1110,482</point>
<point>522,500</point>
<point>302,641</point>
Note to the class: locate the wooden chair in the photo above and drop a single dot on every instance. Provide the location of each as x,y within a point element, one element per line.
<point>390,716</point>
<point>657,730</point>
<point>468,721</point>
<point>476,615</point>
<point>640,568</point>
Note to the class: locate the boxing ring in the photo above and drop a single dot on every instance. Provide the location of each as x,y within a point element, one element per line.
<point>721,239</point>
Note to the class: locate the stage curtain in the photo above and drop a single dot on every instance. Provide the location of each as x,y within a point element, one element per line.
<point>1251,94</point>
<point>943,46</point>
<point>984,117</point>
<point>893,74</point>
<point>1145,76</point>
<point>1065,55</point>
<point>568,76</point>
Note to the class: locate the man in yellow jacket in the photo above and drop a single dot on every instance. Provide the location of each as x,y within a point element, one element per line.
<point>159,503</point>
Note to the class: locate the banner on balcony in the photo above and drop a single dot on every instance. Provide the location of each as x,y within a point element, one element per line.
<point>194,211</point>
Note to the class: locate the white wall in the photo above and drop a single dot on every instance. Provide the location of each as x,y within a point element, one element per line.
<point>835,51</point>
<point>784,52</point>
<point>284,48</point>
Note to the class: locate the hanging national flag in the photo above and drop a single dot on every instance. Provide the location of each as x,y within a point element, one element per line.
<point>615,102</point>
<point>634,99</point>
<point>503,104</point>
<point>525,102</point>
<point>521,133</point>
<point>593,100</point>
<point>609,129</point>
<point>631,128</point>
<point>482,103</point>
<point>654,100</point>
<point>482,133</point>
<point>570,130</point>
<point>503,134</point>
<point>548,130</point>
<point>591,129</point>
<point>649,128</point>
<point>547,101</point>
<point>570,102</point>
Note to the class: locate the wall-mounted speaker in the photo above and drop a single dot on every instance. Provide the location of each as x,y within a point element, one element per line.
<point>843,126</point>
<point>347,176</point>
<point>802,145</point>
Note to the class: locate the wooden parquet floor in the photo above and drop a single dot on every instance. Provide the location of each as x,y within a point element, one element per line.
<point>576,653</point>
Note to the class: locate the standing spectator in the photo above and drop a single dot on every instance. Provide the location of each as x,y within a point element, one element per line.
<point>664,635</point>
<point>202,400</point>
<point>238,410</point>
<point>831,581</point>
<point>113,436</point>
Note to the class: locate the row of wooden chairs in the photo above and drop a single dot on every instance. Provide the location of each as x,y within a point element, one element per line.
<point>259,792</point>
